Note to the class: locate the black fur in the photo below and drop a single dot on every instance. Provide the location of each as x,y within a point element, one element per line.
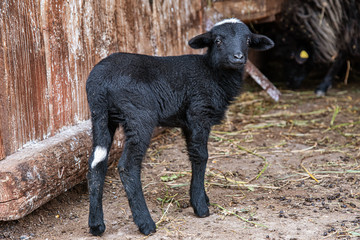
<point>141,92</point>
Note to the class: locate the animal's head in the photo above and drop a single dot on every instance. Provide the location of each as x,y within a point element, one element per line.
<point>228,43</point>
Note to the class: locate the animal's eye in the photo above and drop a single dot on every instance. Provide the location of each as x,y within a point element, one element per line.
<point>218,41</point>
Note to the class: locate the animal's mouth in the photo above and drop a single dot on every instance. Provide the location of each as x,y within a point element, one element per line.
<point>235,64</point>
<point>237,61</point>
<point>232,65</point>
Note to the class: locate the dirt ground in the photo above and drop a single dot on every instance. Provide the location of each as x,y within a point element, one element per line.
<point>287,170</point>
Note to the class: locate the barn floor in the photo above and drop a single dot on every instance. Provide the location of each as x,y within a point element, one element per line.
<point>288,170</point>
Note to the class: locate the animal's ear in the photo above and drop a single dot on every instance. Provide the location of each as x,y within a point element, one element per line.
<point>201,41</point>
<point>260,42</point>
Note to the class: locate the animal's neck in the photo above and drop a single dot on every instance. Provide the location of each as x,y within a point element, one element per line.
<point>231,82</point>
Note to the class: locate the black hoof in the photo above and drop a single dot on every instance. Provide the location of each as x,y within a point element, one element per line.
<point>147,227</point>
<point>202,212</point>
<point>97,230</point>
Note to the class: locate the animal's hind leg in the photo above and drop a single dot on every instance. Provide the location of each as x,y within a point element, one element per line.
<point>103,133</point>
<point>129,167</point>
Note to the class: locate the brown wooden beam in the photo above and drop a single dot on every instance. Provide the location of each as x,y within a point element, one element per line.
<point>249,11</point>
<point>263,81</point>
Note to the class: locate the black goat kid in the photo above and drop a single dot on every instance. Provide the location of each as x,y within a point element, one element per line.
<point>141,92</point>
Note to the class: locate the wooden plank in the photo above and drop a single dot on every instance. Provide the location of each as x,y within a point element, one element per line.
<point>24,87</point>
<point>2,150</point>
<point>263,81</point>
<point>3,110</point>
<point>249,11</point>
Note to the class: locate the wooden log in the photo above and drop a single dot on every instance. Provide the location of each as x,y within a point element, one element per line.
<point>43,170</point>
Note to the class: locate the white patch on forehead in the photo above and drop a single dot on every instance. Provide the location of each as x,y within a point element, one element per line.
<point>229,20</point>
<point>99,156</point>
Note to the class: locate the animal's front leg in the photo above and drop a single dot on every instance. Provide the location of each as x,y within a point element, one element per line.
<point>198,198</point>
<point>196,140</point>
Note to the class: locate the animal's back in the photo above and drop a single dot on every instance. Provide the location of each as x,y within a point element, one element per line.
<point>141,83</point>
<point>145,68</point>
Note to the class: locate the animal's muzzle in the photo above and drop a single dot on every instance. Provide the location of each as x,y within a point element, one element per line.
<point>238,58</point>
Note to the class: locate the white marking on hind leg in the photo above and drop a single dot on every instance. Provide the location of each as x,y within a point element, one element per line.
<point>99,156</point>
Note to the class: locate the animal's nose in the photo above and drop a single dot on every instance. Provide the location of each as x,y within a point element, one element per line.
<point>238,58</point>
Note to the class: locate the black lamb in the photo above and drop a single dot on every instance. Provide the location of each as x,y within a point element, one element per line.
<point>140,92</point>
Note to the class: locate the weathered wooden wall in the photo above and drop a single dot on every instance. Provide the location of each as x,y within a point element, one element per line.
<point>48,48</point>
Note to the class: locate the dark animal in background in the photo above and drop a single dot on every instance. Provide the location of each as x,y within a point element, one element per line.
<point>141,92</point>
<point>292,53</point>
<point>327,30</point>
